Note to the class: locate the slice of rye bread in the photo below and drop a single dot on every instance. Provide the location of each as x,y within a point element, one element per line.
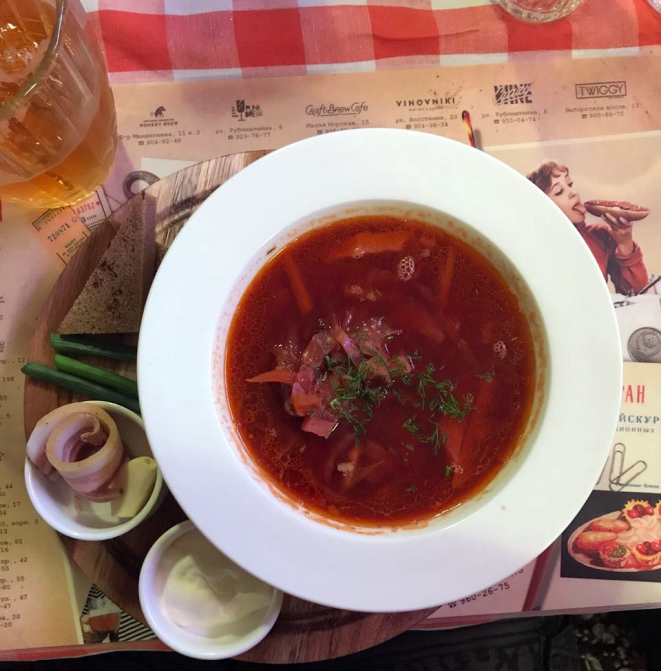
<point>114,296</point>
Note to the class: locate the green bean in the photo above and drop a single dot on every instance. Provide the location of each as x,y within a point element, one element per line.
<point>86,346</point>
<point>101,376</point>
<point>84,387</point>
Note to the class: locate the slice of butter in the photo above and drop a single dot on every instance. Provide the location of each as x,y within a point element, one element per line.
<point>135,479</point>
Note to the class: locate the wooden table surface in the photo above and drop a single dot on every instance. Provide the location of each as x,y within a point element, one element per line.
<point>305,631</point>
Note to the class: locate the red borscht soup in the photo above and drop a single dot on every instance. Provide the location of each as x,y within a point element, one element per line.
<point>379,370</point>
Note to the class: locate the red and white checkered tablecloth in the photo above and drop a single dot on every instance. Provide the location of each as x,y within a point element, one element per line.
<point>148,40</point>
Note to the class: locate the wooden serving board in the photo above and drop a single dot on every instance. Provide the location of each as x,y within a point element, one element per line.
<point>304,632</point>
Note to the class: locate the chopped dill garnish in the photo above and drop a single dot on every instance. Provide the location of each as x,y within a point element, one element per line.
<point>411,426</point>
<point>444,400</point>
<point>398,396</point>
<point>359,387</point>
<point>435,438</point>
<point>448,470</point>
<point>487,377</point>
<point>332,364</point>
<point>412,489</point>
<point>354,397</point>
<point>398,370</point>
<point>379,359</point>
<point>447,404</point>
<point>425,379</point>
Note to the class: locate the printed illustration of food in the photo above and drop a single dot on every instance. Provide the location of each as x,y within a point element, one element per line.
<point>629,539</point>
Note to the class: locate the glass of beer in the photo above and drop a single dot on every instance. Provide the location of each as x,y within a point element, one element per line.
<point>57,114</point>
<point>539,11</point>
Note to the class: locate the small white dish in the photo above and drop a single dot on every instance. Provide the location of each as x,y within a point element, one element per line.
<point>86,520</point>
<point>152,578</point>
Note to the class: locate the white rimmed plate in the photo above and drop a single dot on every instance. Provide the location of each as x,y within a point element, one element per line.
<point>527,505</point>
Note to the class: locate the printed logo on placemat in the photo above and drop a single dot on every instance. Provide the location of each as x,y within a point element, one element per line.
<point>512,94</point>
<point>427,103</point>
<point>242,110</point>
<point>331,109</point>
<point>601,90</point>
<point>157,118</point>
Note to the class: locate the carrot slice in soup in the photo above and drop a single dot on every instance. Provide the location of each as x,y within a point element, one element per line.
<point>298,286</point>
<point>302,401</point>
<point>277,375</point>
<point>454,431</point>
<point>446,278</point>
<point>365,243</point>
<point>477,426</point>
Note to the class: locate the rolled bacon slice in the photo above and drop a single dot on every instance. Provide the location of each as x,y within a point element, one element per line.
<point>94,428</point>
<point>36,446</point>
<point>81,442</point>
